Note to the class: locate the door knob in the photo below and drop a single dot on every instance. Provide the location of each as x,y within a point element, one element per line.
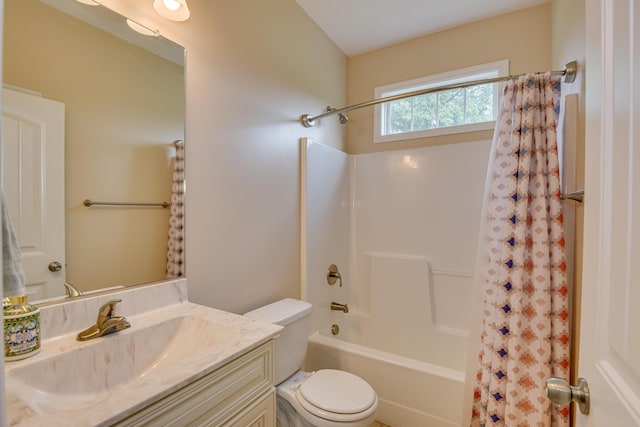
<point>560,392</point>
<point>55,266</point>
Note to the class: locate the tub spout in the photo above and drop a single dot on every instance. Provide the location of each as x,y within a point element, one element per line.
<point>339,307</point>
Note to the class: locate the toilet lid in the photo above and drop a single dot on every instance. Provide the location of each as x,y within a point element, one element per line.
<point>338,392</point>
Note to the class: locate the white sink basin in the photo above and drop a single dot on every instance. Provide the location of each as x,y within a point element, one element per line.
<point>156,352</point>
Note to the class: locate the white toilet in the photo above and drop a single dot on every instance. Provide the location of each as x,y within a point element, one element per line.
<point>325,398</point>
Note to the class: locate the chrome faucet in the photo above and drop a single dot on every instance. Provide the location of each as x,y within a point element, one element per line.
<point>107,322</point>
<point>339,307</point>
<point>72,291</point>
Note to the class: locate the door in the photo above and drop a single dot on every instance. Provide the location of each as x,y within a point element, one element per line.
<point>610,325</point>
<point>33,182</point>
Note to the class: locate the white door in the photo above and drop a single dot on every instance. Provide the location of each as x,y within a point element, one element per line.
<point>610,312</point>
<point>33,182</point>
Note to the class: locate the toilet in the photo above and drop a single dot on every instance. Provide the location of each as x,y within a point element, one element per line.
<point>324,398</point>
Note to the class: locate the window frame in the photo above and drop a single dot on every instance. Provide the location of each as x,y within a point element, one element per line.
<point>477,72</point>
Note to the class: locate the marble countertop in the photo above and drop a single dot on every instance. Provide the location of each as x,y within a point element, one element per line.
<point>69,406</point>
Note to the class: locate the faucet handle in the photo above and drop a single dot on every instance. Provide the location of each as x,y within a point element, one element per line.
<point>108,309</point>
<point>333,275</point>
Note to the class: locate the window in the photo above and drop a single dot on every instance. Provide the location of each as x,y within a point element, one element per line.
<point>439,113</point>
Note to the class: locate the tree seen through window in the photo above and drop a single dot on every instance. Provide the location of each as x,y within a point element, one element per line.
<point>441,109</point>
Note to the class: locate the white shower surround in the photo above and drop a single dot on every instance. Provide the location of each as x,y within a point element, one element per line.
<point>402,226</point>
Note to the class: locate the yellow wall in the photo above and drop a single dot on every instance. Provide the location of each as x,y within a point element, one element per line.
<point>522,37</point>
<point>253,67</point>
<point>123,107</point>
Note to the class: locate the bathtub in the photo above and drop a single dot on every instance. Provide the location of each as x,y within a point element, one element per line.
<point>412,393</point>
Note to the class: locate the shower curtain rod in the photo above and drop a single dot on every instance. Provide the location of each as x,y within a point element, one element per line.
<point>569,73</point>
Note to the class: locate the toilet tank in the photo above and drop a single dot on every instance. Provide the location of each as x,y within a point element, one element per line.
<point>291,345</point>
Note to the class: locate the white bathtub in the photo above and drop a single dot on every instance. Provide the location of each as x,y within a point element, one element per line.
<point>412,393</point>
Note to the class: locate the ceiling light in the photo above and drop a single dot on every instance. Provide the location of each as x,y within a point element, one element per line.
<point>171,4</point>
<point>175,10</point>
<point>141,28</point>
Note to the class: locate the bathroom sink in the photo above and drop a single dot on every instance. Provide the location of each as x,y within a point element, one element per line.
<point>171,345</point>
<point>89,372</point>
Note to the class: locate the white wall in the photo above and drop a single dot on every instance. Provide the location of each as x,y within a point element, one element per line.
<point>253,67</point>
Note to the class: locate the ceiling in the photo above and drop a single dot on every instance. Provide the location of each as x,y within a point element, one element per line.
<point>359,26</point>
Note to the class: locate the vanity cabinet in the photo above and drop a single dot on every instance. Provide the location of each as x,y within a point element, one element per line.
<point>240,393</point>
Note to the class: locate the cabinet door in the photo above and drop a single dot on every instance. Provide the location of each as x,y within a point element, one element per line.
<point>217,398</point>
<point>261,414</point>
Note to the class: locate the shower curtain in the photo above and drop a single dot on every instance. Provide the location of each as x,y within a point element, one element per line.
<point>175,252</point>
<point>521,274</point>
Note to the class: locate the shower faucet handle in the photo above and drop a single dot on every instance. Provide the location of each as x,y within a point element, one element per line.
<point>333,275</point>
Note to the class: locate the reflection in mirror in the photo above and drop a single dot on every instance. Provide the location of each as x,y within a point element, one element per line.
<point>110,113</point>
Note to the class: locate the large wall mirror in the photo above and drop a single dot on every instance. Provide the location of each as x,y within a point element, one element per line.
<point>120,105</point>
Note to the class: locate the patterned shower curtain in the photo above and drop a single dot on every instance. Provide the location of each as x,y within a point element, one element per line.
<point>175,252</point>
<point>522,275</point>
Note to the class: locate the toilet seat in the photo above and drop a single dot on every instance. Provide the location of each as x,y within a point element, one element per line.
<point>337,396</point>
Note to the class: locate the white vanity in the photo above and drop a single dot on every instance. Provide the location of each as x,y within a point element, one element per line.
<point>178,364</point>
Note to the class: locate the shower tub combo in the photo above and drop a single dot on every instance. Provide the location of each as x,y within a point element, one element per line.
<point>405,245</point>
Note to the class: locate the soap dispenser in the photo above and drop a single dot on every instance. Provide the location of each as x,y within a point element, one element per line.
<point>21,328</point>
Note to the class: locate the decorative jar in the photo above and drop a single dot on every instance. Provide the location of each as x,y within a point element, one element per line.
<point>21,328</point>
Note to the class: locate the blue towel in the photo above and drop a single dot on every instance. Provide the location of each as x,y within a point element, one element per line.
<point>13,283</point>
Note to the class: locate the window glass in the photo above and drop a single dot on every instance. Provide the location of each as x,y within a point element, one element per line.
<point>442,112</point>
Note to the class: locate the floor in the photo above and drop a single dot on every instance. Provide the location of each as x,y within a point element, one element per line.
<point>379,424</point>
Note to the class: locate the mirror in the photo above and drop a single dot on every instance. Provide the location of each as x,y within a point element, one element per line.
<point>124,103</point>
